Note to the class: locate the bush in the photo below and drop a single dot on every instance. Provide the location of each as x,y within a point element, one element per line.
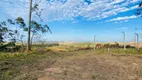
<point>129,46</point>
<point>10,47</point>
<point>53,44</point>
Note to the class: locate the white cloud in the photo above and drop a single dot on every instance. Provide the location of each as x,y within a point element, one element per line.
<point>122,18</point>
<point>69,9</point>
<point>121,29</point>
<point>124,28</point>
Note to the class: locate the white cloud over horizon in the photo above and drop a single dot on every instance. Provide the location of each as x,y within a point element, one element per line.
<point>125,18</point>
<point>58,10</point>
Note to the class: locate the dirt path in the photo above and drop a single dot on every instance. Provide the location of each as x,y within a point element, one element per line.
<point>91,66</point>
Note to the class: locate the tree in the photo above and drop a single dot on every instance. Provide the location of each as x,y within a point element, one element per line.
<point>37,11</point>
<point>29,27</point>
<point>37,28</point>
<point>6,33</point>
<point>15,34</point>
<point>139,10</point>
<point>3,31</point>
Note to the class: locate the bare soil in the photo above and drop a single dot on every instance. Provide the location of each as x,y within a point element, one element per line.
<point>87,65</point>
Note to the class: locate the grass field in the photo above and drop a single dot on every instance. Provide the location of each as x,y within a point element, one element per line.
<point>71,62</point>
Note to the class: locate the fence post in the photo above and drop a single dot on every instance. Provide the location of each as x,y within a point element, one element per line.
<point>124,40</point>
<point>95,42</point>
<point>135,40</point>
<point>108,49</point>
<point>137,35</point>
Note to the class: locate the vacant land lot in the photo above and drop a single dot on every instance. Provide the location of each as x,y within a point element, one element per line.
<point>64,64</point>
<point>86,65</point>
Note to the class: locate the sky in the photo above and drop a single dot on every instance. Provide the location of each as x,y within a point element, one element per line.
<point>81,20</point>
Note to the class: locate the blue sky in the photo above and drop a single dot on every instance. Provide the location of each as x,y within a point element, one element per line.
<point>80,20</point>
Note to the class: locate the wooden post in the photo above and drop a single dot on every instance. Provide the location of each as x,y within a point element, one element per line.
<point>108,49</point>
<point>124,40</point>
<point>137,36</point>
<point>29,27</point>
<point>95,42</point>
<point>138,42</point>
<point>135,40</point>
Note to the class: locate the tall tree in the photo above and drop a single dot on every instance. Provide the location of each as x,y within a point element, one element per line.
<point>33,9</point>
<point>29,27</point>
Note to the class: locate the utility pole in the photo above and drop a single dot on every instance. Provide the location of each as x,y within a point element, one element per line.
<point>137,35</point>
<point>124,41</point>
<point>95,42</point>
<point>135,40</point>
<point>29,27</point>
